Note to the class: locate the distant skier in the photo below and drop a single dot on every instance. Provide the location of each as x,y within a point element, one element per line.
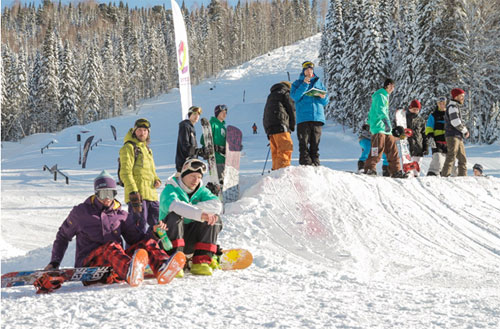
<point>254,129</point>
<point>218,125</point>
<point>418,140</point>
<point>455,133</point>
<point>365,137</point>
<point>191,213</point>
<point>382,139</point>
<point>187,146</point>
<point>138,174</point>
<point>435,136</point>
<point>99,225</point>
<point>279,122</point>
<point>310,114</point>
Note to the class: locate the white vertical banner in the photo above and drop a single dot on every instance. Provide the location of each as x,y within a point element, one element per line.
<point>181,43</point>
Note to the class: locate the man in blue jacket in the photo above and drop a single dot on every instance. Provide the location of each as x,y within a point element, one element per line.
<point>310,111</point>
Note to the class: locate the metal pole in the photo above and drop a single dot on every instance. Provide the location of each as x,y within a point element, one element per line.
<point>267,157</point>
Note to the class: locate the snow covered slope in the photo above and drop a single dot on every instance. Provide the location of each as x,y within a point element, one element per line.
<point>332,249</point>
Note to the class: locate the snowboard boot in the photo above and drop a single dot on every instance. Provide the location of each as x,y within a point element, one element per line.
<point>400,174</point>
<point>201,269</point>
<point>361,166</point>
<point>169,269</point>
<point>370,172</point>
<point>138,263</point>
<point>385,171</point>
<point>214,264</point>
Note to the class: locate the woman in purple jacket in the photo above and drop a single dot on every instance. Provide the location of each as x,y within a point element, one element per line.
<point>99,224</point>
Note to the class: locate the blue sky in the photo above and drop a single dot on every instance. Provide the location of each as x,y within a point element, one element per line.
<point>131,3</point>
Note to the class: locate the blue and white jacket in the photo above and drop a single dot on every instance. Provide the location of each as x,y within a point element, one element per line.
<point>308,108</point>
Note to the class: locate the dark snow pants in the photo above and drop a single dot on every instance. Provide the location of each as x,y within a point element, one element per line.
<point>198,238</point>
<point>309,135</point>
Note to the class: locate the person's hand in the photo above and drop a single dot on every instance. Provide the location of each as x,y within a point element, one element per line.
<point>322,95</point>
<point>467,135</point>
<point>211,219</point>
<point>157,183</point>
<point>135,201</point>
<point>160,225</point>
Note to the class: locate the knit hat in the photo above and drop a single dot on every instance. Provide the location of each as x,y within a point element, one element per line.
<point>104,181</point>
<point>287,83</point>
<point>219,108</point>
<point>415,104</point>
<point>193,165</point>
<point>142,123</point>
<point>478,167</point>
<point>457,91</point>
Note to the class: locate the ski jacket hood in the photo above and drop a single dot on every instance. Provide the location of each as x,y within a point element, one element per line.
<point>94,225</point>
<point>138,175</point>
<point>308,108</point>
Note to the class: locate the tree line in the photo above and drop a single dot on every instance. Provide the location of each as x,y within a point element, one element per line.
<point>64,65</point>
<point>427,46</point>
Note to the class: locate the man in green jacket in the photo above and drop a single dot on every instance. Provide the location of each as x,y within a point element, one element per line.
<point>382,139</point>
<point>138,175</point>
<point>191,213</point>
<point>218,125</point>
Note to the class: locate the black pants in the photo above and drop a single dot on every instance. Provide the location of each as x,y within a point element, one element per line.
<point>197,238</point>
<point>309,135</point>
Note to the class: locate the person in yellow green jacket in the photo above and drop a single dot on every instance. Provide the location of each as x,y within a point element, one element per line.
<point>192,214</point>
<point>138,176</point>
<point>218,125</point>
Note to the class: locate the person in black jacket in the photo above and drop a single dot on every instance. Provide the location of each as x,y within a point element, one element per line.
<point>418,140</point>
<point>434,131</point>
<point>279,121</point>
<point>187,147</point>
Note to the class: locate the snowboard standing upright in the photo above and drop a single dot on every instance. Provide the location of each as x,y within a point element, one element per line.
<point>231,186</point>
<point>403,145</point>
<point>209,144</point>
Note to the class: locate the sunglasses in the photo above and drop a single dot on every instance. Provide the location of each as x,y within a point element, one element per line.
<point>195,165</point>
<point>307,64</point>
<point>195,109</point>
<point>106,194</point>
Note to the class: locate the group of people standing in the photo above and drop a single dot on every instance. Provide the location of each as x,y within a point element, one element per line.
<point>128,241</point>
<point>444,132</point>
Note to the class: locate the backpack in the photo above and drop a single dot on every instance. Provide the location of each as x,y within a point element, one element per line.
<point>137,150</point>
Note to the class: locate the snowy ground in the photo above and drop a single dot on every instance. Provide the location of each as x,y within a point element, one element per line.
<point>332,249</point>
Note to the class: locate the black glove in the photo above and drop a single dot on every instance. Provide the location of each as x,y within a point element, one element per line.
<point>398,131</point>
<point>135,201</point>
<point>202,152</point>
<point>214,188</point>
<point>220,149</point>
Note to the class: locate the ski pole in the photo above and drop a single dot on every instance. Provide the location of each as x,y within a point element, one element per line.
<point>267,157</point>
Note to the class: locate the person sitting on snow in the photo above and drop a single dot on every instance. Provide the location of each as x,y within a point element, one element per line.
<point>191,213</point>
<point>99,224</point>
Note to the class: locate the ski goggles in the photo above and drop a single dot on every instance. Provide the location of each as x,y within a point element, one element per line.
<point>307,64</point>
<point>441,99</point>
<point>106,194</point>
<point>194,109</point>
<point>195,165</point>
<point>142,123</point>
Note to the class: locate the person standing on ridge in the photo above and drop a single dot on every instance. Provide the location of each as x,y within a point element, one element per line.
<point>310,111</point>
